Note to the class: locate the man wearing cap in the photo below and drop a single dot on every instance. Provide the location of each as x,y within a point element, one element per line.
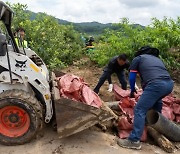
<point>156,84</point>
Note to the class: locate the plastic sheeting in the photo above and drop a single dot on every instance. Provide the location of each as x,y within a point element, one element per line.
<point>170,109</point>
<point>75,88</point>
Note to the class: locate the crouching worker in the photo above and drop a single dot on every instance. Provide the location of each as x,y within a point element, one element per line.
<point>156,84</point>
<point>116,65</point>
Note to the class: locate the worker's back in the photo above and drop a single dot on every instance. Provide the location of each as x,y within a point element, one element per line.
<point>151,67</point>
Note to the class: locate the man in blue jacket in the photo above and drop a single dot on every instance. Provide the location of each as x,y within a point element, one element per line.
<point>116,65</point>
<point>156,84</point>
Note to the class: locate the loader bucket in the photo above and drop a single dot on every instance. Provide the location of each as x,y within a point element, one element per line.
<point>73,117</point>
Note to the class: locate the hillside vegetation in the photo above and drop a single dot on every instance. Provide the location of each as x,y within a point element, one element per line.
<point>57,44</point>
<point>89,28</point>
<point>163,35</point>
<point>61,44</point>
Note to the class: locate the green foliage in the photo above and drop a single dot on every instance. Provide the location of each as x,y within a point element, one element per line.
<point>89,28</point>
<point>128,38</point>
<point>58,45</point>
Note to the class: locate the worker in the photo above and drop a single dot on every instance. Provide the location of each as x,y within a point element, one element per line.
<point>90,41</point>
<point>20,38</point>
<point>156,84</point>
<point>116,65</point>
<point>89,45</point>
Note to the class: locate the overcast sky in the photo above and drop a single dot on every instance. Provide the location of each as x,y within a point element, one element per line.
<point>105,11</point>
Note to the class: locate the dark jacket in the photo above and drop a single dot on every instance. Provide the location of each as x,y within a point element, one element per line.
<point>114,67</point>
<point>150,68</point>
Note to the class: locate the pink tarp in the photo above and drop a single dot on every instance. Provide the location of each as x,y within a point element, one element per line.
<point>171,110</point>
<point>75,88</point>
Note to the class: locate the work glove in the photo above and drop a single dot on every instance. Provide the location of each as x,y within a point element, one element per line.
<point>136,87</point>
<point>132,94</point>
<point>110,87</point>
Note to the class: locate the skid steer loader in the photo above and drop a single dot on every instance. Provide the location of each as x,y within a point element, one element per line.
<point>29,98</point>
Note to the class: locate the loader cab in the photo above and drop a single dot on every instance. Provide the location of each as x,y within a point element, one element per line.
<point>6,15</point>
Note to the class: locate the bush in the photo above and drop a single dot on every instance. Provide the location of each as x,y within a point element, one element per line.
<point>58,45</point>
<point>163,35</point>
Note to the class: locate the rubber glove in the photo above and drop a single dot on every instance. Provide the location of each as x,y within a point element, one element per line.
<point>110,87</point>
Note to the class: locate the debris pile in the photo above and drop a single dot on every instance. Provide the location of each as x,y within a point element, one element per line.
<point>170,109</point>
<point>75,88</point>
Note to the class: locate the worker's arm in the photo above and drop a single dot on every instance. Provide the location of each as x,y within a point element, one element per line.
<point>132,81</point>
<point>133,72</point>
<point>111,64</point>
<point>127,65</point>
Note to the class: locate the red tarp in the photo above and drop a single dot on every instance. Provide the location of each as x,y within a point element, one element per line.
<point>167,111</point>
<point>125,126</point>
<point>76,89</point>
<point>171,110</point>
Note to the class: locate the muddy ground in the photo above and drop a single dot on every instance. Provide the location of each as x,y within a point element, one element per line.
<point>86,142</point>
<point>91,141</point>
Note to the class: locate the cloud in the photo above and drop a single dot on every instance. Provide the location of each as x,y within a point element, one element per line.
<point>139,3</point>
<point>105,11</point>
<point>47,4</point>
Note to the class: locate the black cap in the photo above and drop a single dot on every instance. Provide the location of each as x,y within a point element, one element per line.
<point>147,50</point>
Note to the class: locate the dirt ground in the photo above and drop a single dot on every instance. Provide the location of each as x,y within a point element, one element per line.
<point>91,141</point>
<point>86,142</point>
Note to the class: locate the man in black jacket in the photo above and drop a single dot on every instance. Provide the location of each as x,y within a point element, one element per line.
<point>116,65</point>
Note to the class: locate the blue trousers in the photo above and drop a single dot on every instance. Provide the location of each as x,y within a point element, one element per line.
<point>107,76</point>
<point>150,99</point>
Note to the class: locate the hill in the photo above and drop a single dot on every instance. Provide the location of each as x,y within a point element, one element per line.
<point>90,28</point>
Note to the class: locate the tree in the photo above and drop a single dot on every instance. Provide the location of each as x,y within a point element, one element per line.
<point>58,45</point>
<point>163,35</point>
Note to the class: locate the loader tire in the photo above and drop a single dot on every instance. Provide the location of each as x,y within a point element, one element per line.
<point>21,117</point>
